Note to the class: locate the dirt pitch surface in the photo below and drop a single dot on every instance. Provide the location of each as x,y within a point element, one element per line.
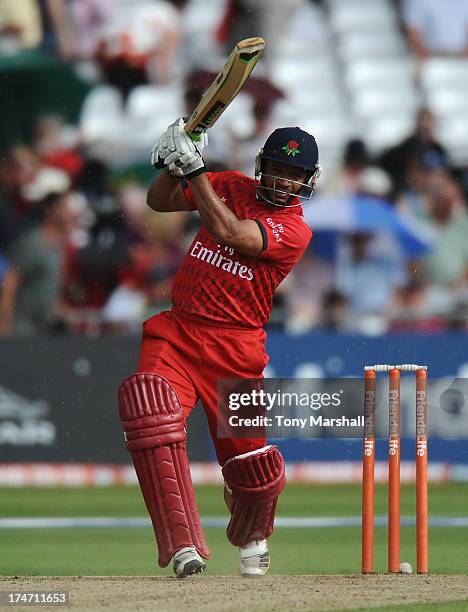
<point>232,593</point>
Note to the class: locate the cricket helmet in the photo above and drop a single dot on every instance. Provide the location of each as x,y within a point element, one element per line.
<point>294,147</point>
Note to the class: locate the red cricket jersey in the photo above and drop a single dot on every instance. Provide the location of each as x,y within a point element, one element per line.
<point>218,284</point>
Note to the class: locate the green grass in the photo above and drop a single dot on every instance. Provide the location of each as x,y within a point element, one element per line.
<point>70,552</point>
<point>294,551</point>
<point>297,500</point>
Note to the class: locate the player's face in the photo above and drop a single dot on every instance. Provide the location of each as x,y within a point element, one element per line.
<point>282,181</point>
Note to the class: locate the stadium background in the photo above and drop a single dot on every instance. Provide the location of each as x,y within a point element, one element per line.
<point>86,90</point>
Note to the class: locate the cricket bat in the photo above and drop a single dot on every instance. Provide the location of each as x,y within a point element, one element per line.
<point>226,85</point>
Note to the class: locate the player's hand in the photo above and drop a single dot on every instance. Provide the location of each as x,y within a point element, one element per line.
<point>199,140</point>
<point>179,151</point>
<point>157,160</point>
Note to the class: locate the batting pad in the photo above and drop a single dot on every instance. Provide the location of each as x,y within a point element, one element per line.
<point>254,482</point>
<point>153,422</point>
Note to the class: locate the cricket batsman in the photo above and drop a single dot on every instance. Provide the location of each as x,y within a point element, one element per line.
<point>252,235</point>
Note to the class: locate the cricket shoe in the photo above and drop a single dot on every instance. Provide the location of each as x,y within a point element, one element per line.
<point>254,559</point>
<point>187,562</point>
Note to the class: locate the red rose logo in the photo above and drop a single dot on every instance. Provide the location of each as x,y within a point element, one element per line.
<point>292,148</point>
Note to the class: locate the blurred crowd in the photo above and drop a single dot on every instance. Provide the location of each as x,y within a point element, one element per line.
<point>80,252</point>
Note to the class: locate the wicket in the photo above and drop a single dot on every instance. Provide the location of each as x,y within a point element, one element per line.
<point>370,384</point>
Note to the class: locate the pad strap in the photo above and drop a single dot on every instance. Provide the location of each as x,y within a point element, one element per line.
<point>153,422</point>
<point>254,482</point>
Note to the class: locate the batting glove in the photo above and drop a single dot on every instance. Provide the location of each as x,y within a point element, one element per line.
<point>157,160</point>
<point>164,147</point>
<point>199,140</point>
<point>179,151</point>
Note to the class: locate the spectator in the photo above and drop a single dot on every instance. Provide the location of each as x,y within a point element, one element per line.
<point>19,170</point>
<point>458,318</point>
<point>420,175</point>
<point>347,179</point>
<point>58,31</point>
<point>7,214</point>
<point>368,279</point>
<point>411,311</point>
<point>370,268</point>
<point>139,45</point>
<point>422,143</point>
<point>89,18</point>
<point>335,315</point>
<point>51,145</point>
<point>72,28</point>
<point>25,181</point>
<point>244,150</point>
<point>158,289</point>
<point>248,18</point>
<point>447,218</point>
<point>436,27</point>
<point>305,291</point>
<point>29,303</point>
<point>93,271</point>
<point>374,182</point>
<point>154,252</point>
<point>20,25</point>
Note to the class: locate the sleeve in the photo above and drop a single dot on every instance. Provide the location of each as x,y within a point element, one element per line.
<point>216,179</point>
<point>285,237</point>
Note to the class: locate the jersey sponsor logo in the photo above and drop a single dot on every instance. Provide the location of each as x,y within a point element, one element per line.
<point>216,259</point>
<point>276,228</point>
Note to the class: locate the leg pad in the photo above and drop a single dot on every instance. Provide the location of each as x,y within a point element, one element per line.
<point>153,422</point>
<point>254,482</point>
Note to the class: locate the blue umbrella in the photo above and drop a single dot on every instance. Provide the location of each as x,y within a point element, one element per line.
<point>350,214</point>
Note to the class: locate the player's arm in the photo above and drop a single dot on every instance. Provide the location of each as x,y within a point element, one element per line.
<point>244,236</point>
<point>165,194</point>
<point>183,157</point>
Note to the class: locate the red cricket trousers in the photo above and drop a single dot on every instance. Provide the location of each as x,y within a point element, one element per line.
<point>193,355</point>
